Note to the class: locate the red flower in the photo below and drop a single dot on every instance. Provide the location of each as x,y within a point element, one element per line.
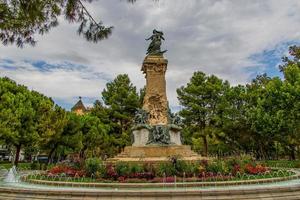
<point>63,169</point>
<point>250,169</point>
<point>236,169</point>
<point>121,179</point>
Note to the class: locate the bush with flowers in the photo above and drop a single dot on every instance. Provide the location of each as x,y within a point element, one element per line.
<point>255,169</point>
<point>65,170</point>
<point>204,170</point>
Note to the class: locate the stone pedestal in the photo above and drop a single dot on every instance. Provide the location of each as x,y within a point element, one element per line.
<point>155,100</point>
<point>156,154</point>
<point>175,137</point>
<point>141,136</point>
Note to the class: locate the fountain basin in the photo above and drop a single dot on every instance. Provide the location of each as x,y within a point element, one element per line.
<point>274,188</point>
<point>159,185</point>
<point>287,191</point>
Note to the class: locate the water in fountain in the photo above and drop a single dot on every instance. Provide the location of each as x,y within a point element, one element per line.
<point>12,176</point>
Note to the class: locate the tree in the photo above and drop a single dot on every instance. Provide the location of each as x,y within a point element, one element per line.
<point>94,135</point>
<point>291,107</point>
<point>52,131</point>
<point>200,99</point>
<point>232,120</point>
<point>264,114</point>
<point>293,59</point>
<point>21,112</point>
<point>122,99</point>
<point>21,20</point>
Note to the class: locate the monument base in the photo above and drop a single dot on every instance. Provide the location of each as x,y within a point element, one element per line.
<point>141,136</point>
<point>156,153</point>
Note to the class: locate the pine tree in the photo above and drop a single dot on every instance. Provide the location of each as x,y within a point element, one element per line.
<point>22,113</point>
<point>21,20</point>
<point>122,101</point>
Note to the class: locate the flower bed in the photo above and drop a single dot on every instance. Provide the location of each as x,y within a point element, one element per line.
<point>176,170</point>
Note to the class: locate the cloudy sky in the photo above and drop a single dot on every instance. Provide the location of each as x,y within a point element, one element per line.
<point>235,40</point>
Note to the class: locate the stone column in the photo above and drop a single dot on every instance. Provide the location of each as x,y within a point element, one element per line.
<point>155,100</point>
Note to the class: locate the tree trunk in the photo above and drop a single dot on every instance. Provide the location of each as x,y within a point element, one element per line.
<point>82,152</point>
<point>205,145</point>
<point>50,156</point>
<point>18,149</point>
<point>293,154</point>
<point>261,152</point>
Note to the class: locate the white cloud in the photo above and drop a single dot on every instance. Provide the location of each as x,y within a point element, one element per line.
<point>217,37</point>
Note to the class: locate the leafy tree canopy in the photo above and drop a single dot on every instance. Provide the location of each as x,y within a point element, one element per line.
<point>23,115</point>
<point>201,99</point>
<point>21,20</point>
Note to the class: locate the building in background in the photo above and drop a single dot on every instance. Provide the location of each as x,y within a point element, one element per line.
<point>79,108</point>
<point>6,153</point>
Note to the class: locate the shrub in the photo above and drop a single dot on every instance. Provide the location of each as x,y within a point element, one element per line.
<point>64,170</point>
<point>166,169</point>
<point>111,172</point>
<point>246,159</point>
<point>191,169</point>
<point>149,167</point>
<point>76,164</point>
<point>237,169</point>
<point>92,165</point>
<point>34,165</point>
<point>252,169</point>
<point>135,168</point>
<point>180,167</point>
<point>218,166</point>
<point>122,169</point>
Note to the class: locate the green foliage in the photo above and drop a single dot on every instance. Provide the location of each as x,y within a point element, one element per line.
<point>201,99</point>
<point>22,20</point>
<point>260,118</point>
<point>281,163</point>
<point>93,165</point>
<point>122,168</point>
<point>122,101</point>
<point>122,98</point>
<point>218,166</point>
<point>149,167</point>
<point>24,115</point>
<point>66,135</point>
<point>136,168</point>
<point>293,59</point>
<point>22,166</point>
<point>166,169</point>
<point>94,134</point>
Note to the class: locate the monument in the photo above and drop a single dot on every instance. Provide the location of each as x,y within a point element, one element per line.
<point>156,134</point>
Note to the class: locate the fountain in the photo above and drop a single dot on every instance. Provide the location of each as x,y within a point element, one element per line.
<point>156,138</point>
<point>12,176</point>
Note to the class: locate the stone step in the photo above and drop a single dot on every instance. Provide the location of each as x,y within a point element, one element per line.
<point>241,195</point>
<point>11,196</point>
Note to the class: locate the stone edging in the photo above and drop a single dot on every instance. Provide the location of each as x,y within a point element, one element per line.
<point>147,193</point>
<point>160,185</point>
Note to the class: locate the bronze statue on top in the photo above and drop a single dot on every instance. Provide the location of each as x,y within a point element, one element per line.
<point>154,47</point>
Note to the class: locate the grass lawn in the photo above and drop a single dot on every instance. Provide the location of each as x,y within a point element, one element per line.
<point>21,165</point>
<point>281,163</point>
